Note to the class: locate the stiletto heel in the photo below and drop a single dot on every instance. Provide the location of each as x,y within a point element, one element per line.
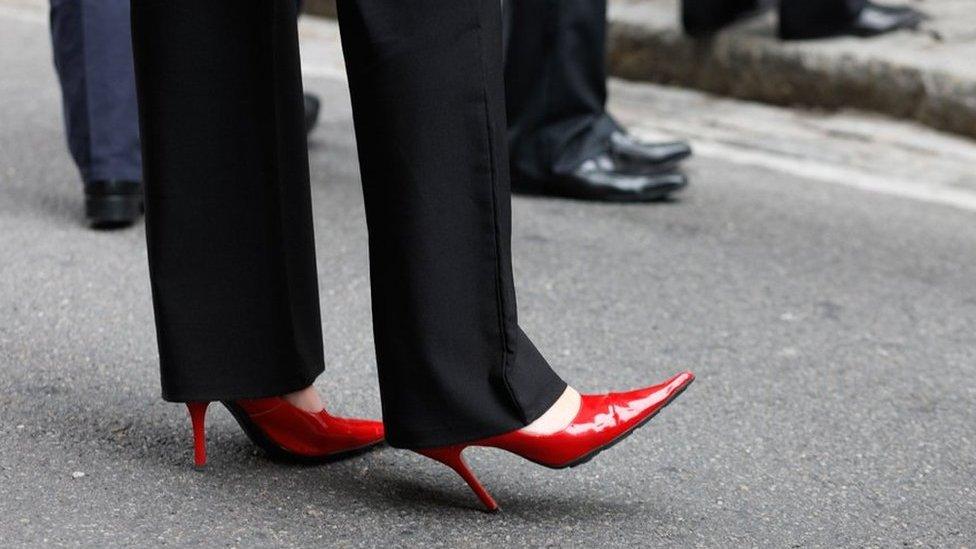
<point>601,422</point>
<point>198,415</point>
<point>451,456</point>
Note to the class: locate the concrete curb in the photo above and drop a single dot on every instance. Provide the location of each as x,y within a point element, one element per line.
<point>750,63</point>
<point>760,68</point>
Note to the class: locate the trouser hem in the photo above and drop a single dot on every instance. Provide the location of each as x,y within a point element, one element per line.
<point>453,435</point>
<point>254,389</point>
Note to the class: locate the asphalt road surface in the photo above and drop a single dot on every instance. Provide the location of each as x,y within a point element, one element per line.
<point>832,328</point>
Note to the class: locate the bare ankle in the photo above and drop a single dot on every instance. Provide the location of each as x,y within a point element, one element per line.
<point>558,416</point>
<point>306,399</point>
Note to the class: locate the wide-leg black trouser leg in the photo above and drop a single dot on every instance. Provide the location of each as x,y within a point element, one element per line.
<point>228,210</point>
<point>229,222</point>
<point>428,103</point>
<point>555,78</point>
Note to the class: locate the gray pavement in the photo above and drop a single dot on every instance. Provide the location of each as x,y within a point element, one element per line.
<point>832,325</point>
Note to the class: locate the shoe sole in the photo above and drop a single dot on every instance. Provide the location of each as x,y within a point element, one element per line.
<point>113,211</point>
<point>586,458</point>
<point>279,453</point>
<point>535,188</point>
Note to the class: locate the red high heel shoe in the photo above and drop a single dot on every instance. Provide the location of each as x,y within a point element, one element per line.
<point>290,433</point>
<point>602,421</point>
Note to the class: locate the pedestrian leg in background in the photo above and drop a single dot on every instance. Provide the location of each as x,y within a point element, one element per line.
<point>93,57</point>
<point>562,141</point>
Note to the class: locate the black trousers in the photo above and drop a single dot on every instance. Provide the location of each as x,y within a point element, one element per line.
<point>810,17</point>
<point>556,84</point>
<point>229,222</point>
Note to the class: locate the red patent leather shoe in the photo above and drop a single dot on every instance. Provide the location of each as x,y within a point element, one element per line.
<point>287,432</point>
<point>602,421</point>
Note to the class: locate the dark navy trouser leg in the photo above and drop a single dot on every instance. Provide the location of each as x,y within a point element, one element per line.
<point>93,56</point>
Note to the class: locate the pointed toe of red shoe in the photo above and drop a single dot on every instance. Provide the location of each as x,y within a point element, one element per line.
<point>602,421</point>
<point>357,432</point>
<point>660,392</point>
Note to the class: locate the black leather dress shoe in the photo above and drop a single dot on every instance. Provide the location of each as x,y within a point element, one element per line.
<point>601,178</point>
<point>876,19</point>
<point>113,204</point>
<point>872,20</point>
<point>638,156</point>
<point>312,107</point>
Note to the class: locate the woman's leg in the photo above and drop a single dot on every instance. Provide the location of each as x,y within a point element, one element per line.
<point>228,220</point>
<point>428,102</point>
